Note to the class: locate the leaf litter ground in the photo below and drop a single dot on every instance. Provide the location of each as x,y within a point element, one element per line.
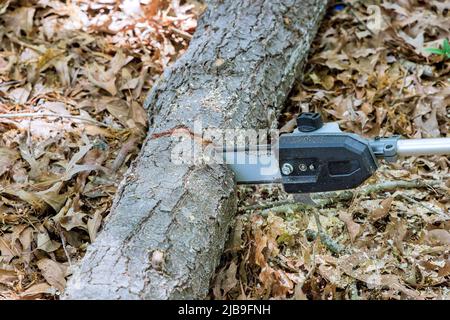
<point>369,69</point>
<point>73,76</point>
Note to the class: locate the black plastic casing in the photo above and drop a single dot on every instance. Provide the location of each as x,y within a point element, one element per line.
<point>309,121</point>
<point>333,161</point>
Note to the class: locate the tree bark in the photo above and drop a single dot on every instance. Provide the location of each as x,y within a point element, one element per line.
<point>168,224</point>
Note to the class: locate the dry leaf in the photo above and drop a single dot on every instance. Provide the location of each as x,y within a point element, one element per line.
<point>229,281</point>
<point>21,19</point>
<point>102,79</point>
<point>375,21</point>
<point>118,108</point>
<point>53,273</point>
<point>94,224</point>
<point>36,290</point>
<point>6,250</point>
<point>73,220</point>
<point>445,270</point>
<point>8,277</point>
<point>45,243</point>
<point>20,95</point>
<point>438,237</point>
<point>7,159</point>
<point>382,211</point>
<point>352,227</point>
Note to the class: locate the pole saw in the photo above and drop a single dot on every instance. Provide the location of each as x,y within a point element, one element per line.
<point>319,157</point>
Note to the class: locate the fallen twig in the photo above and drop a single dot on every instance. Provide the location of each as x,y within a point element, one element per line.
<point>332,245</point>
<point>327,198</point>
<point>26,44</point>
<point>275,204</point>
<point>326,240</point>
<point>63,242</point>
<point>45,115</point>
<point>185,35</point>
<point>439,213</point>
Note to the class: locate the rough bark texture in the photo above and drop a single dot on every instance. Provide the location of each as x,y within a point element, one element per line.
<point>169,223</point>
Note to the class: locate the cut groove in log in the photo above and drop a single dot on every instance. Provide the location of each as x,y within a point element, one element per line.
<point>168,225</point>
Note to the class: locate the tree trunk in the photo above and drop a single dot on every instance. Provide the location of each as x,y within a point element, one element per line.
<point>168,225</point>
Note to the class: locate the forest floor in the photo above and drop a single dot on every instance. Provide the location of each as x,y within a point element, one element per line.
<point>73,78</point>
<point>369,71</point>
<point>74,74</point>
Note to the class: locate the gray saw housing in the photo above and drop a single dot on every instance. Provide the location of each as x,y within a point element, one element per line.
<point>325,159</point>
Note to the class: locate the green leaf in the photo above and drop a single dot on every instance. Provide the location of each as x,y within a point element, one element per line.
<point>446,46</point>
<point>435,51</point>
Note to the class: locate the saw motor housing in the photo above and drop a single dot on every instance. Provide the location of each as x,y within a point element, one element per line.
<point>317,157</point>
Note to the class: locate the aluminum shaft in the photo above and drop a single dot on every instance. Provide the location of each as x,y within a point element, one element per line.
<point>423,147</point>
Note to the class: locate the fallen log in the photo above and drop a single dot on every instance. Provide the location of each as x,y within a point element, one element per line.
<point>168,224</point>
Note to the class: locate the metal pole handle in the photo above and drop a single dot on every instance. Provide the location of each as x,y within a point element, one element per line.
<point>423,147</point>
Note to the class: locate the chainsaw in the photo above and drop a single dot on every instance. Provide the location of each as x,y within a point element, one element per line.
<point>318,157</point>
